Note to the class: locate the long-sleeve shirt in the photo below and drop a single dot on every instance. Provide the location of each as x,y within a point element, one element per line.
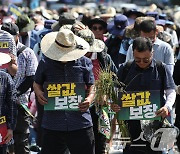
<point>162,52</point>
<point>8,99</point>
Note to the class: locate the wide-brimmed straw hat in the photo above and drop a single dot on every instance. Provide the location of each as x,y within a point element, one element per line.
<point>4,58</point>
<point>63,46</point>
<point>95,44</point>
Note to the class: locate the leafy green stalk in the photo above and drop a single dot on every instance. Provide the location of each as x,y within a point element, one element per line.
<point>107,88</point>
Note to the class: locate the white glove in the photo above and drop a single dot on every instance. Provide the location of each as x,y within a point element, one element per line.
<point>177,89</point>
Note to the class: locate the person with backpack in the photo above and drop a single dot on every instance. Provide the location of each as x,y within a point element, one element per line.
<point>162,51</point>
<point>144,73</point>
<point>23,79</point>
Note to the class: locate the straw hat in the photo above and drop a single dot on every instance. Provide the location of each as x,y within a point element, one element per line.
<point>111,12</point>
<point>132,31</point>
<point>63,46</point>
<point>4,58</point>
<point>95,44</point>
<point>67,18</point>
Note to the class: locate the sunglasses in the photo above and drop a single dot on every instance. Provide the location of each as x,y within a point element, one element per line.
<point>144,60</point>
<point>97,28</point>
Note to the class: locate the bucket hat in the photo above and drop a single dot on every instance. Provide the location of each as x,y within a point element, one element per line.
<point>134,12</point>
<point>161,22</point>
<point>67,18</point>
<point>97,21</point>
<point>48,23</point>
<point>95,44</point>
<point>63,46</point>
<point>77,26</point>
<point>24,23</point>
<point>118,25</point>
<point>153,14</point>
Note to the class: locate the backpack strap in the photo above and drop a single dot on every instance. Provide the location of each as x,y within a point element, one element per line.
<point>160,68</point>
<point>161,71</point>
<point>39,50</point>
<point>20,50</point>
<point>126,70</point>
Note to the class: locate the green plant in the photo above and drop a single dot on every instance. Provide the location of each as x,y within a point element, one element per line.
<point>107,88</point>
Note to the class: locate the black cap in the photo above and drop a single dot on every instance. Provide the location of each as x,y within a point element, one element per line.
<point>11,28</point>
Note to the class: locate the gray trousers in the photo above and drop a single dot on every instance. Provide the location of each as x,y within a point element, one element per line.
<point>21,133</point>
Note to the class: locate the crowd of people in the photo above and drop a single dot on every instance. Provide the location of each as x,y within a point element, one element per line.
<point>47,54</point>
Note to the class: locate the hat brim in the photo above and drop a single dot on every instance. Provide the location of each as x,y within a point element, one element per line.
<point>114,30</point>
<point>4,58</point>
<point>28,27</point>
<point>137,13</point>
<point>107,15</point>
<point>98,46</point>
<point>160,22</point>
<point>56,26</point>
<point>51,50</point>
<point>97,21</point>
<point>130,32</point>
<point>65,27</point>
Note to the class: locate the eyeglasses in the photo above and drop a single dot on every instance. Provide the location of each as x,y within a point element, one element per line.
<point>144,60</point>
<point>97,28</point>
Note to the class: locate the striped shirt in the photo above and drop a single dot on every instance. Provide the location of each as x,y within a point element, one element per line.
<point>6,37</point>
